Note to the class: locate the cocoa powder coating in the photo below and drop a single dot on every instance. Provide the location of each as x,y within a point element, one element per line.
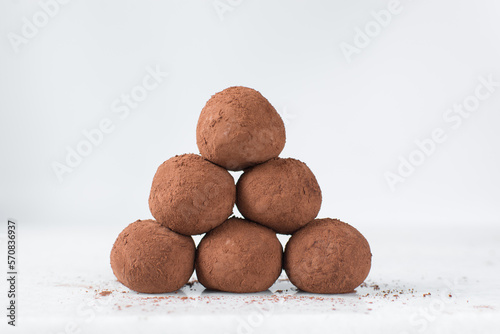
<point>191,195</point>
<point>282,194</point>
<point>239,256</point>
<point>327,256</point>
<point>239,128</point>
<point>150,258</point>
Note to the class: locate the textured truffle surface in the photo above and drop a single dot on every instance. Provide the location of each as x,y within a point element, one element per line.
<point>239,128</point>
<point>239,256</point>
<point>327,256</point>
<point>282,194</point>
<point>191,195</point>
<point>150,258</point>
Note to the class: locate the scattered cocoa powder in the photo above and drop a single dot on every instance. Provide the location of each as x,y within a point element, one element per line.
<point>191,283</point>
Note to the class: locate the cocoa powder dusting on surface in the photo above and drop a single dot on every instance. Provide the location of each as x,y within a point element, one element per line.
<point>368,298</point>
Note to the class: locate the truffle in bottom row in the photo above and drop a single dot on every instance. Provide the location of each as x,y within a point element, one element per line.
<point>150,258</point>
<point>327,256</point>
<point>239,256</point>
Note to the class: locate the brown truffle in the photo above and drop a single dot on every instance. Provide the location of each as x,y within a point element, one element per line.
<point>150,258</point>
<point>191,195</point>
<point>239,128</point>
<point>282,194</point>
<point>327,256</point>
<point>239,256</point>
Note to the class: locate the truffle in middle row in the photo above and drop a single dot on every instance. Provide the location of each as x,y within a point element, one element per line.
<point>282,194</point>
<point>191,195</point>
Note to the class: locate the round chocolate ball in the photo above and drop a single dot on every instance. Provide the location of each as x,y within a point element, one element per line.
<point>327,256</point>
<point>150,258</point>
<point>239,128</point>
<point>239,256</point>
<point>282,194</point>
<point>191,195</point>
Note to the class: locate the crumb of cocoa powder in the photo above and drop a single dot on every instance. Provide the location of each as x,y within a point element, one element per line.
<point>190,284</point>
<point>105,293</point>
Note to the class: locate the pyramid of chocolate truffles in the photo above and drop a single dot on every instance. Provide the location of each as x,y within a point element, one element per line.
<point>192,194</point>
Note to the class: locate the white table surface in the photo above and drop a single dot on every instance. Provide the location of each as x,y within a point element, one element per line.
<point>64,271</point>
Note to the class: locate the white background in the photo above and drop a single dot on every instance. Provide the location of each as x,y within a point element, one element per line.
<point>350,121</point>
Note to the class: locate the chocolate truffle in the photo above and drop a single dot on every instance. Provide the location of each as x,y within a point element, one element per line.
<point>239,128</point>
<point>282,194</point>
<point>191,195</point>
<point>150,258</point>
<point>239,256</point>
<point>327,256</point>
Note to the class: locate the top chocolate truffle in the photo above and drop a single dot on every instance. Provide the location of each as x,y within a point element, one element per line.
<point>239,128</point>
<point>191,195</point>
